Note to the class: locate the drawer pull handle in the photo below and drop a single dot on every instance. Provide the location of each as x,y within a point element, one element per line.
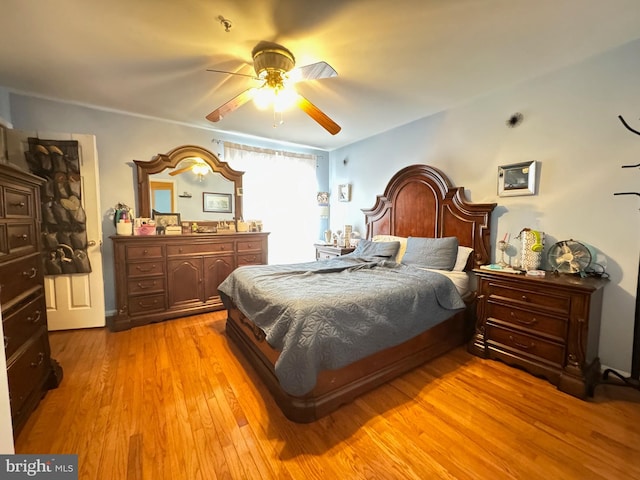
<point>36,317</point>
<point>146,270</point>
<point>18,204</point>
<point>39,362</point>
<point>31,273</point>
<point>142,286</point>
<point>24,236</point>
<point>525,298</point>
<point>145,251</point>
<point>521,345</point>
<point>142,304</point>
<point>180,250</point>
<point>6,342</point>
<point>524,322</point>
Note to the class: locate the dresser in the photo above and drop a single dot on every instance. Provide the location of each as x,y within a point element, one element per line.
<point>325,252</point>
<point>30,369</point>
<point>159,277</point>
<point>549,326</point>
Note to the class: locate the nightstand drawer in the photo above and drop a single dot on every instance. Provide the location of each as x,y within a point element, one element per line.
<point>525,345</point>
<point>530,320</point>
<point>537,298</point>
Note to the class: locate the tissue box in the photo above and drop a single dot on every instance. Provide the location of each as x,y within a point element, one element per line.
<point>145,230</point>
<point>173,230</point>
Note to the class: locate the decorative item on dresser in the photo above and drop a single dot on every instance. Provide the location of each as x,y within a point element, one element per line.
<point>159,277</point>
<point>30,368</point>
<point>325,252</point>
<point>548,325</point>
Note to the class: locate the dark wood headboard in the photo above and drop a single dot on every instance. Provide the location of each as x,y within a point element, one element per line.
<point>419,201</point>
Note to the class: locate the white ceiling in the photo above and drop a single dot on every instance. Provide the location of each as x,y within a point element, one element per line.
<point>396,61</point>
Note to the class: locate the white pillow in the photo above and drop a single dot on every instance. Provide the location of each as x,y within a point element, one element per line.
<point>461,260</point>
<point>393,238</point>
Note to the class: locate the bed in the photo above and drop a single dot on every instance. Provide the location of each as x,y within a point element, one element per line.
<point>418,204</point>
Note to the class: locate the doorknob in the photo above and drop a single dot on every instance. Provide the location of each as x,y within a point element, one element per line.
<point>91,243</point>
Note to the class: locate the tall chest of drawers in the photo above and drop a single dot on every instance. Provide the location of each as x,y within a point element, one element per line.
<point>30,369</point>
<point>549,326</point>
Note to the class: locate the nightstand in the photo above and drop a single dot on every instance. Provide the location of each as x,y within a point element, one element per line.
<point>549,326</point>
<point>325,252</point>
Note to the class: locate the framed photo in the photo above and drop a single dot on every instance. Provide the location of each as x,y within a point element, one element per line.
<point>216,202</point>
<point>517,179</point>
<point>166,219</point>
<point>344,192</point>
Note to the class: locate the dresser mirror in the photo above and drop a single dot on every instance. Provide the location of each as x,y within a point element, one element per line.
<point>181,179</point>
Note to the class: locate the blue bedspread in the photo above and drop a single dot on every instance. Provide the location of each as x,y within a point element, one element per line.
<point>325,315</point>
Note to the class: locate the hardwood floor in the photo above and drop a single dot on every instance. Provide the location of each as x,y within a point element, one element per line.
<point>173,401</point>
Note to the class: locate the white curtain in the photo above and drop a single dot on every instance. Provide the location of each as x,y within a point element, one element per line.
<point>279,188</point>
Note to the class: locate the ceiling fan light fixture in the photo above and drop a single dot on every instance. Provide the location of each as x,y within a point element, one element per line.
<point>279,59</point>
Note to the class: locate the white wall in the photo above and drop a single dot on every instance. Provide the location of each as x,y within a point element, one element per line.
<point>571,127</point>
<point>120,139</point>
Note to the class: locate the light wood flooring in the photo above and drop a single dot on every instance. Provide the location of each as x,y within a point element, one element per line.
<point>175,400</point>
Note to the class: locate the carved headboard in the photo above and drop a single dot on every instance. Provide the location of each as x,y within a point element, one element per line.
<point>419,201</point>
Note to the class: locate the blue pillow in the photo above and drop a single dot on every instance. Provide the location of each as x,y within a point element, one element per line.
<point>436,253</point>
<point>367,248</point>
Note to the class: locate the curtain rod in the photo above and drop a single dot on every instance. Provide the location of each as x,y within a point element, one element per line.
<point>268,151</point>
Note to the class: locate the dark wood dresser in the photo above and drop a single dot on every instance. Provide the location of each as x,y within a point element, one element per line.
<point>325,252</point>
<point>159,277</point>
<point>30,368</point>
<point>549,326</point>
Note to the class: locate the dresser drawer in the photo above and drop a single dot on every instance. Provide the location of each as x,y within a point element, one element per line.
<point>525,345</point>
<point>199,248</point>
<point>538,298</point>
<point>28,372</point>
<point>23,322</point>
<point>250,259</point>
<point>145,269</point>
<point>146,304</point>
<point>146,285</point>
<point>249,245</point>
<point>22,238</point>
<point>135,252</point>
<point>18,203</point>
<point>526,319</point>
<point>19,276</point>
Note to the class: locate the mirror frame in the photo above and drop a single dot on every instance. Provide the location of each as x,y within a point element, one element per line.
<point>171,159</point>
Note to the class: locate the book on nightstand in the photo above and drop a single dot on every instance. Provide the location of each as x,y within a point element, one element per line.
<point>494,267</point>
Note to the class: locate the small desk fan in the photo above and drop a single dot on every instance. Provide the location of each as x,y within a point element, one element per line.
<point>569,256</point>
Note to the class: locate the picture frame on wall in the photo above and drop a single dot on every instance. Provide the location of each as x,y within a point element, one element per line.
<point>344,192</point>
<point>217,202</point>
<point>517,179</point>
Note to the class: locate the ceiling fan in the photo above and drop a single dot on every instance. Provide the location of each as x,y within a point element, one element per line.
<point>274,67</point>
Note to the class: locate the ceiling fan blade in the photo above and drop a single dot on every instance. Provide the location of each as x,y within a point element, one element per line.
<point>318,115</point>
<point>180,170</point>
<point>232,73</point>
<point>315,71</point>
<point>233,104</point>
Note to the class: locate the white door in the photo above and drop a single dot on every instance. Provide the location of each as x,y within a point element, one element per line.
<point>75,300</point>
